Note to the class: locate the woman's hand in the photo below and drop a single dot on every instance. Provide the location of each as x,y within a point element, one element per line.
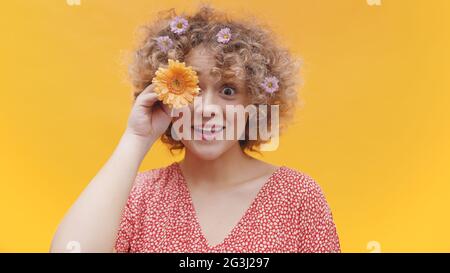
<point>149,118</point>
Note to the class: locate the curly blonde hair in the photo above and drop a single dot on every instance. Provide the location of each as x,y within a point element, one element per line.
<point>253,46</point>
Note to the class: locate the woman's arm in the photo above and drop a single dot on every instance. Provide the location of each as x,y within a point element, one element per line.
<point>93,220</point>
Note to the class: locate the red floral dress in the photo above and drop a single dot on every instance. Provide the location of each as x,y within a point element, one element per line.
<point>289,214</point>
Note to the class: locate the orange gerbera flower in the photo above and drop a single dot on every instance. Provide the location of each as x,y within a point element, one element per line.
<point>176,85</point>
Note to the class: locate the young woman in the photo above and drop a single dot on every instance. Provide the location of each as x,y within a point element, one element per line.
<point>218,198</point>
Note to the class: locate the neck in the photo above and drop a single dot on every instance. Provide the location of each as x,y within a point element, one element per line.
<point>219,171</point>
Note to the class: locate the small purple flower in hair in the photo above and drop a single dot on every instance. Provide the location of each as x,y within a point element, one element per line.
<point>270,84</point>
<point>224,35</point>
<point>164,43</point>
<point>179,25</point>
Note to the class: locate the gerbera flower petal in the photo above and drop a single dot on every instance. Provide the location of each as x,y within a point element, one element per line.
<point>176,85</point>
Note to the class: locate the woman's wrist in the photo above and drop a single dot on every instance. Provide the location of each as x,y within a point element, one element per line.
<point>135,145</point>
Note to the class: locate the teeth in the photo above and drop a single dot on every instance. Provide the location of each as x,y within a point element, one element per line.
<point>207,131</point>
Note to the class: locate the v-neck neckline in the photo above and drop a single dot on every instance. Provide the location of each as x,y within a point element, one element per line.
<point>253,203</point>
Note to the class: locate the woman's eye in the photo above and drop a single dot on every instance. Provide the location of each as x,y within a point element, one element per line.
<point>228,91</point>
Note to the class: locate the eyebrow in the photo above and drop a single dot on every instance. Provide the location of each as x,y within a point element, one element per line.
<point>238,83</point>
<point>199,73</point>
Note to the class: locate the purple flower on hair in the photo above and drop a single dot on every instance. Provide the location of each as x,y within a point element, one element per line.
<point>179,25</point>
<point>164,43</point>
<point>224,35</point>
<point>270,84</point>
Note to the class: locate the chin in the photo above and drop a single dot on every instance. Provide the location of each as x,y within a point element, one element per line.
<point>208,150</point>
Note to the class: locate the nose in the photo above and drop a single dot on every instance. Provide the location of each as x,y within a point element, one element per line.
<point>208,104</point>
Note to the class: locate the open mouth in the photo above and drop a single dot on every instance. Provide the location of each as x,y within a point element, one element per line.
<point>208,133</point>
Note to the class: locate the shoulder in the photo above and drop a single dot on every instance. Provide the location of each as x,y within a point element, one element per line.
<point>152,180</point>
<point>297,181</point>
<point>302,189</point>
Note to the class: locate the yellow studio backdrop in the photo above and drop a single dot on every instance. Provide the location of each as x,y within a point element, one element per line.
<point>374,129</point>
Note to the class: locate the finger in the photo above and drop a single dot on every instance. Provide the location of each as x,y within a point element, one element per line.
<point>148,89</point>
<point>160,113</point>
<point>165,108</point>
<point>147,99</point>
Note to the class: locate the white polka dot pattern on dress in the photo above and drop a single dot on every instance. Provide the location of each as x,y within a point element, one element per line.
<point>289,214</point>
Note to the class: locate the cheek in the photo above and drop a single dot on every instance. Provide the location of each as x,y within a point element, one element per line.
<point>237,121</point>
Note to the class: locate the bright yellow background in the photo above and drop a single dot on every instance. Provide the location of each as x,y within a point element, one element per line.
<point>373,132</point>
